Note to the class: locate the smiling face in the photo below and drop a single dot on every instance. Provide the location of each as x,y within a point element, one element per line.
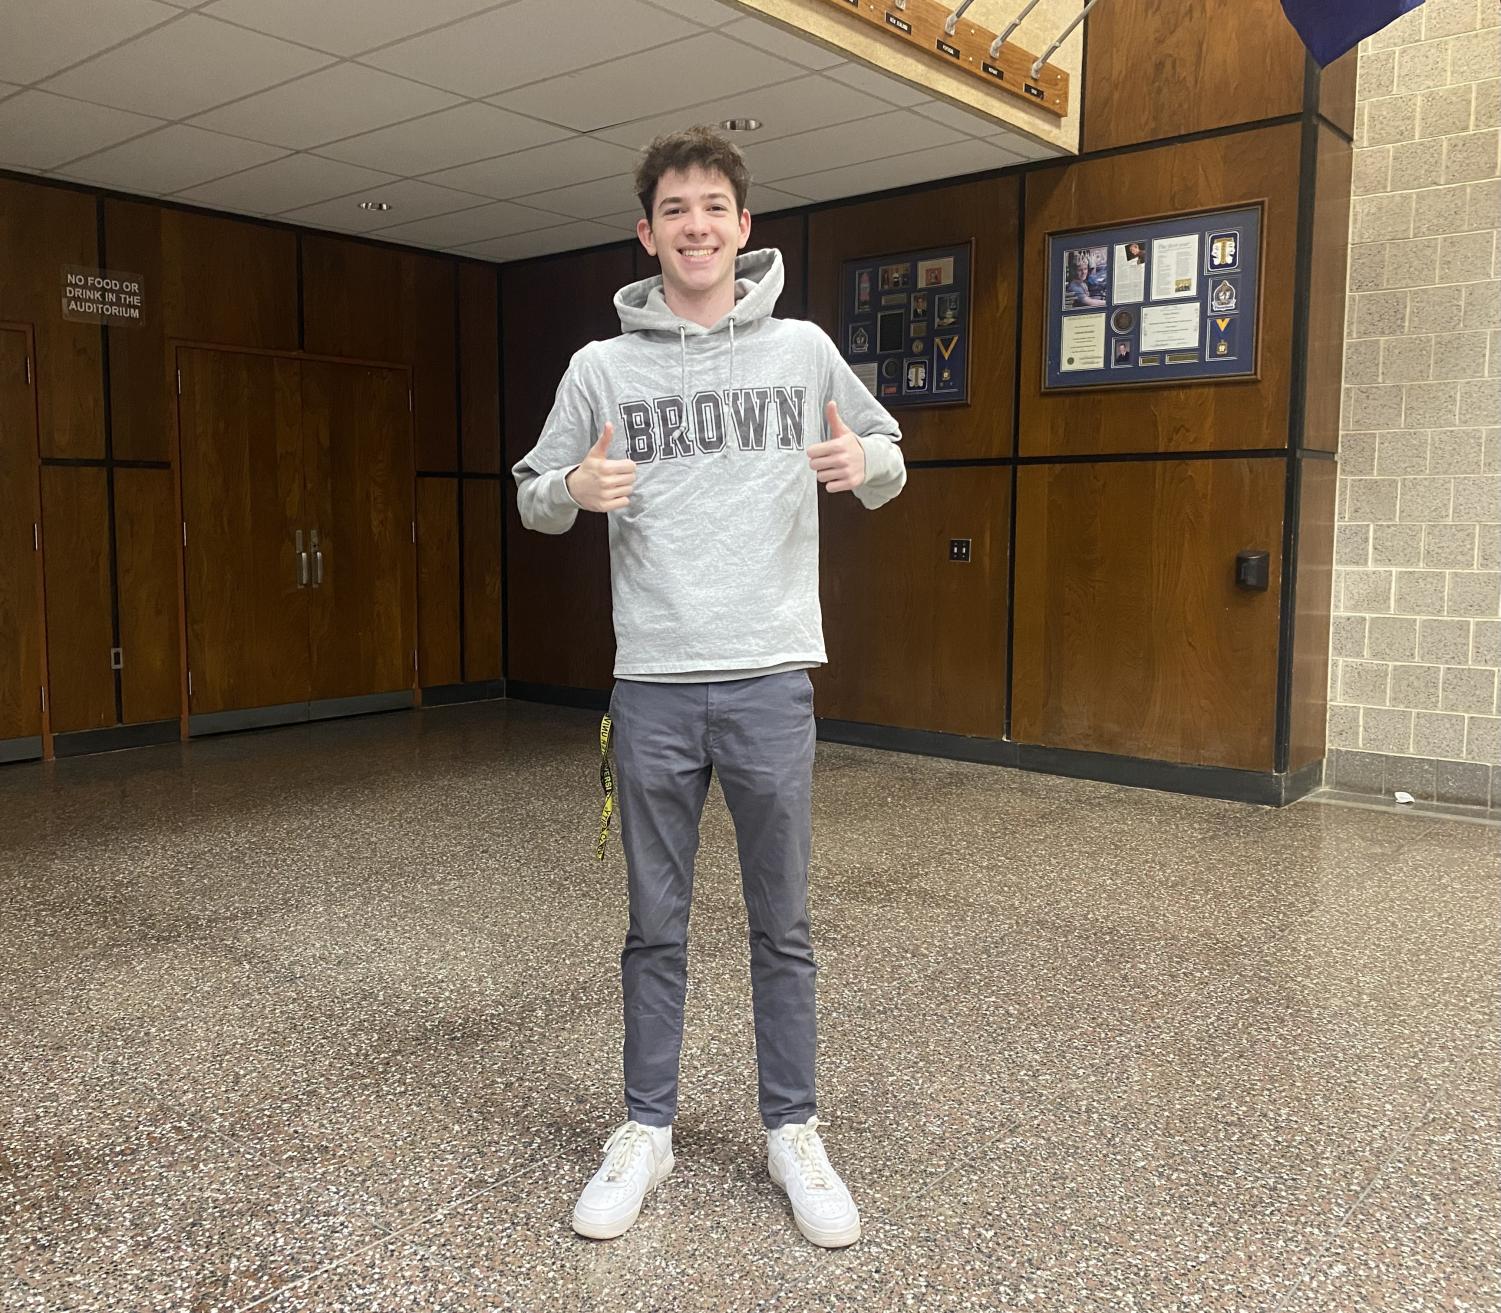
<point>695,232</point>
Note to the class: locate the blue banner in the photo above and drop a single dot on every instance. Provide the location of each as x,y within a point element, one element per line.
<point>1331,27</point>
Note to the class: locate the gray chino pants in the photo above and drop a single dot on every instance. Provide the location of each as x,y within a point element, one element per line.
<point>759,735</point>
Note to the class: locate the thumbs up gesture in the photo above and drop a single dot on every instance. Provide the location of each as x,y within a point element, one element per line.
<point>840,461</point>
<point>599,483</point>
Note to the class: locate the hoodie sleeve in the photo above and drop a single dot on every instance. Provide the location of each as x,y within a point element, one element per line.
<point>541,475</point>
<point>879,434</point>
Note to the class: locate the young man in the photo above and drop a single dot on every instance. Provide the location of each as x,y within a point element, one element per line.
<point>697,432</point>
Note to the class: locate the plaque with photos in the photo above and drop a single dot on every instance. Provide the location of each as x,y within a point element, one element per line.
<point>1164,300</point>
<point>904,324</point>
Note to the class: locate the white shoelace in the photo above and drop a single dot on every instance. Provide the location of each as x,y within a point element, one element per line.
<point>622,1149</point>
<point>808,1153</point>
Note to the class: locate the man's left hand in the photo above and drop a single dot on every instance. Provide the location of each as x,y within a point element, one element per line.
<point>839,462</point>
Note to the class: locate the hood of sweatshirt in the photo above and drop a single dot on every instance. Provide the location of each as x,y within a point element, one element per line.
<point>643,308</point>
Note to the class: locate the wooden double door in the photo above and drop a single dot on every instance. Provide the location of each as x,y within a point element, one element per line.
<point>21,642</point>
<point>299,560</point>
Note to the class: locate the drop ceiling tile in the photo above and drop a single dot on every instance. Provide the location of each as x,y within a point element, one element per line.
<point>39,39</point>
<point>578,159</point>
<point>185,67</point>
<point>624,222</point>
<point>497,219</point>
<point>588,200</point>
<point>294,181</point>
<point>344,27</point>
<point>961,120</point>
<point>784,109</point>
<point>879,84</point>
<point>682,73</point>
<point>529,40</point>
<point>1025,147</point>
<point>409,200</point>
<point>709,13</point>
<point>168,160</point>
<point>450,137</point>
<point>336,102</point>
<point>41,131</point>
<point>569,237</point>
<point>951,161</point>
<point>768,200</point>
<point>778,41</point>
<point>875,138</point>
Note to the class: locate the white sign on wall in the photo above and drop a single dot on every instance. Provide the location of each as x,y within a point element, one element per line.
<point>101,296</point>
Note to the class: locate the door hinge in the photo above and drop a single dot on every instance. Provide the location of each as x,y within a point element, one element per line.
<point>28,371</point>
<point>44,699</point>
<point>117,658</point>
<point>414,530</point>
<point>410,405</point>
<point>36,536</point>
<point>414,660</point>
<point>190,683</point>
<point>184,533</point>
<point>179,382</point>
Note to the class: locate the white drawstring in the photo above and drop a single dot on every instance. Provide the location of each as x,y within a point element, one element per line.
<point>731,388</point>
<point>682,427</point>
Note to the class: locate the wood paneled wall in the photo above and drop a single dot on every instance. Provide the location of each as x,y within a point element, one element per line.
<point>558,618</point>
<point>1259,165</point>
<point>1131,635</point>
<point>916,640</point>
<point>41,230</point>
<point>1159,69</point>
<point>107,421</point>
<point>207,279</point>
<point>987,213</point>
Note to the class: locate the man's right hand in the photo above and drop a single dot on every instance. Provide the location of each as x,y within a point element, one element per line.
<point>602,484</point>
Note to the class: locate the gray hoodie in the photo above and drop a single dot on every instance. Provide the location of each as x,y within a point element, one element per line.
<point>714,563</point>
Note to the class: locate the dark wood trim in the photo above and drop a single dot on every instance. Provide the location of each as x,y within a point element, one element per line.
<point>109,471</point>
<point>1308,165</point>
<point>1264,788</point>
<point>449,695</point>
<point>79,743</point>
<point>24,749</point>
<point>175,344</point>
<point>104,462</point>
<point>558,695</point>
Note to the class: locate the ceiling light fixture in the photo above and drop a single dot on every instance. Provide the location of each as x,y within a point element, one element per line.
<point>380,207</point>
<point>741,125</point>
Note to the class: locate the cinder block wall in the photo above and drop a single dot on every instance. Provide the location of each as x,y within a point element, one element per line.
<point>1416,636</point>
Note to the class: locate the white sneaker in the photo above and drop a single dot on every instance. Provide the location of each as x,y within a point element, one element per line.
<point>637,1158</point>
<point>821,1205</point>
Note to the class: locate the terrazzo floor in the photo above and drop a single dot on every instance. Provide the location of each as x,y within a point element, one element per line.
<point>326,1018</point>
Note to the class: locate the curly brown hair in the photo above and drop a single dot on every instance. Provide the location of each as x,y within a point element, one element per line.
<point>698,147</point>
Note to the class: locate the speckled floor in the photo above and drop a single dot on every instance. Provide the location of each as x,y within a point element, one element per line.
<point>325,1018</point>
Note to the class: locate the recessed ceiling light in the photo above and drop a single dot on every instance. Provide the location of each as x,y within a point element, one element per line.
<point>741,125</point>
<point>379,206</point>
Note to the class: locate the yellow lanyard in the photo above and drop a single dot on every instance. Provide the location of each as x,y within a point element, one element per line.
<point>607,783</point>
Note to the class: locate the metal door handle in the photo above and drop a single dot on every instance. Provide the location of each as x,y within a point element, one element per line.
<point>302,566</point>
<point>317,561</point>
